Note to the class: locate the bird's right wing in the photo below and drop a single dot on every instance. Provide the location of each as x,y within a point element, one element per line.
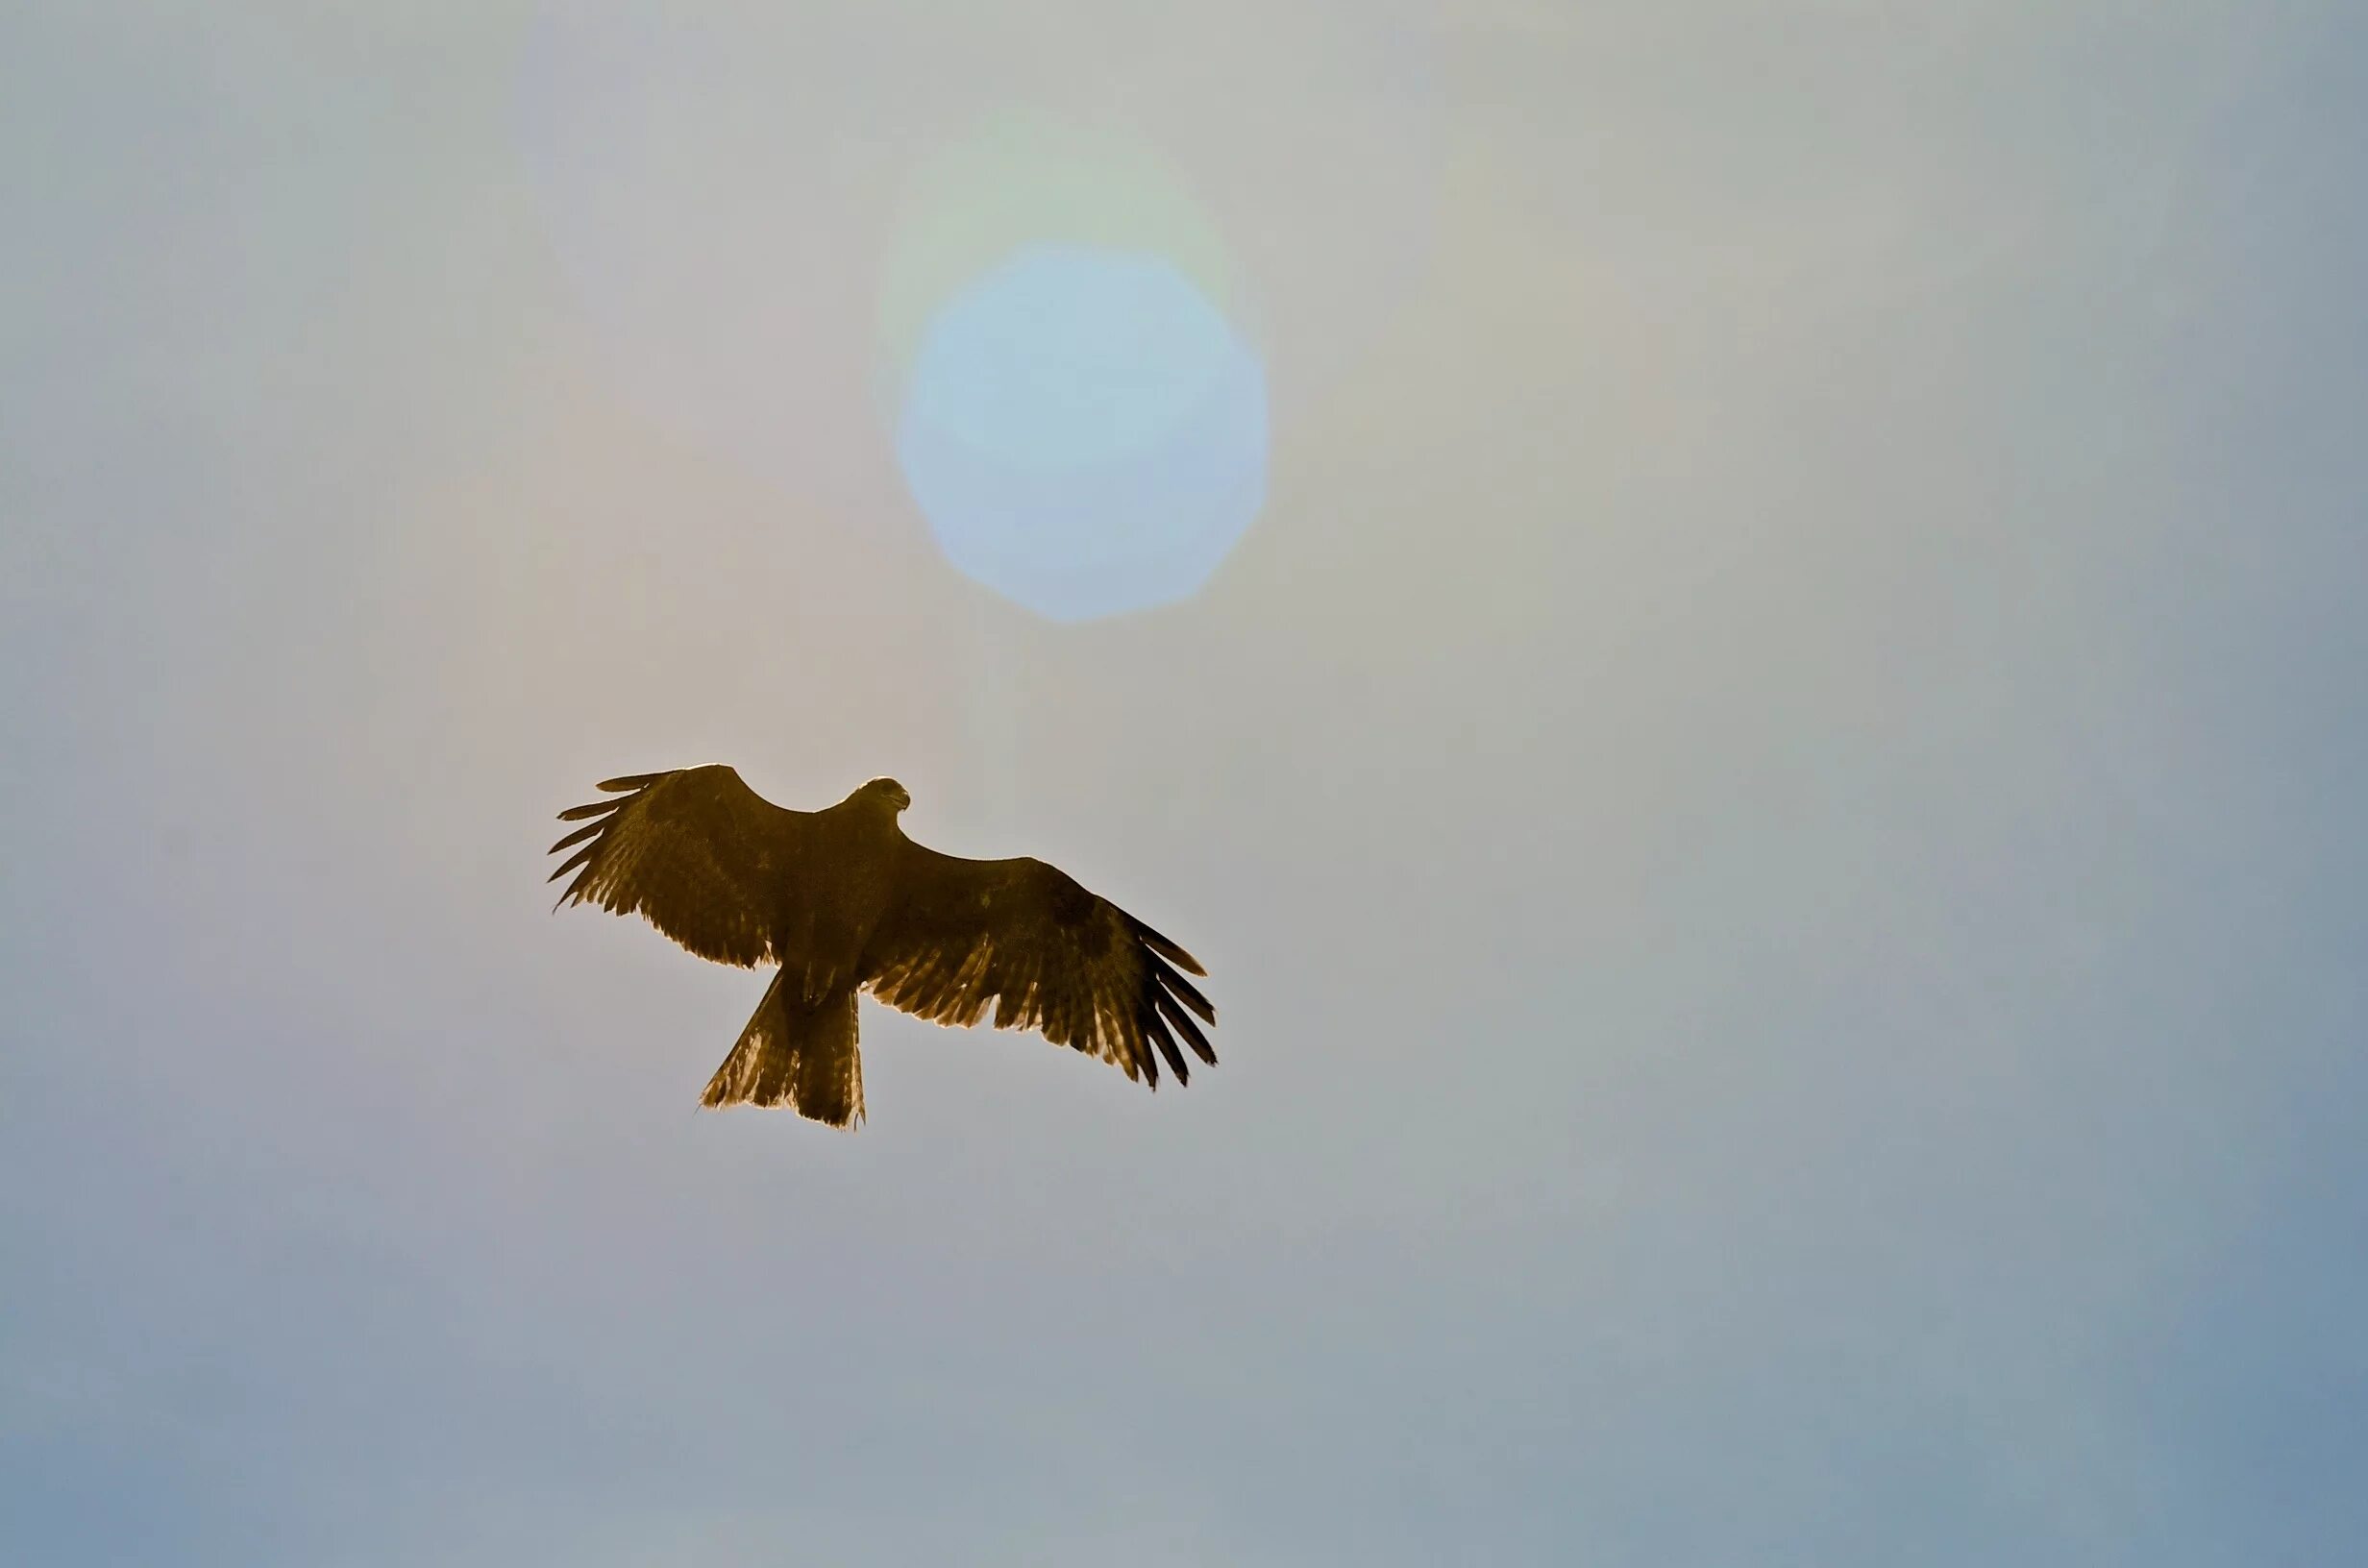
<point>1046,953</point>
<point>697,851</point>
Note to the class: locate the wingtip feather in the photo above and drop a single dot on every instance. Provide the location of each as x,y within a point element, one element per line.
<point>577,837</point>
<point>1156,1032</point>
<point>1186,993</point>
<point>1183,1024</point>
<point>571,862</point>
<point>1167,948</point>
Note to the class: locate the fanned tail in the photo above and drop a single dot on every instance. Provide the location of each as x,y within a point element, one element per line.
<point>797,1055</point>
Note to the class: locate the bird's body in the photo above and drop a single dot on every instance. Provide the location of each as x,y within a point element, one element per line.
<point>842,902</point>
<point>834,891</point>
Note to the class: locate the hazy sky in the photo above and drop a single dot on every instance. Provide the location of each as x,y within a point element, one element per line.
<point>1772,795</point>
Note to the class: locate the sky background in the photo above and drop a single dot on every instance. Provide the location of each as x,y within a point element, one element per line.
<point>1772,795</point>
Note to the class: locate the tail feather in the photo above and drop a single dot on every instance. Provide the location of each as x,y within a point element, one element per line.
<point>795,1054</point>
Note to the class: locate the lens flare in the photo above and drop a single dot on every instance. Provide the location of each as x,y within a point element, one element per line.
<point>1076,410</point>
<point>1085,433</point>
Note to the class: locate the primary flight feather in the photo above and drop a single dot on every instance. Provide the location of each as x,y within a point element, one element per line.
<point>842,903</point>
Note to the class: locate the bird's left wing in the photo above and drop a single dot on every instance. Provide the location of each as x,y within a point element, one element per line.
<point>1050,955</point>
<point>696,850</point>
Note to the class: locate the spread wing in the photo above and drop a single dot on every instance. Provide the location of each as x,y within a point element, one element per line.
<point>1051,956</point>
<point>696,850</point>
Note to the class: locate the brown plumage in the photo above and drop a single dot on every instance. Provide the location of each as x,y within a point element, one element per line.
<point>844,902</point>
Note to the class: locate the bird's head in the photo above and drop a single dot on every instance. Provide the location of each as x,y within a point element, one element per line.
<point>886,792</point>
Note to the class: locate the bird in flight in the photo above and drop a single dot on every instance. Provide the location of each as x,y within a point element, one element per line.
<point>844,902</point>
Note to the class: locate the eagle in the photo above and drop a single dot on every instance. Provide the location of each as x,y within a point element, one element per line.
<point>842,903</point>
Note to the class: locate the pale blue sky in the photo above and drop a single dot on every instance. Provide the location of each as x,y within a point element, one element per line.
<point>1772,799</point>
